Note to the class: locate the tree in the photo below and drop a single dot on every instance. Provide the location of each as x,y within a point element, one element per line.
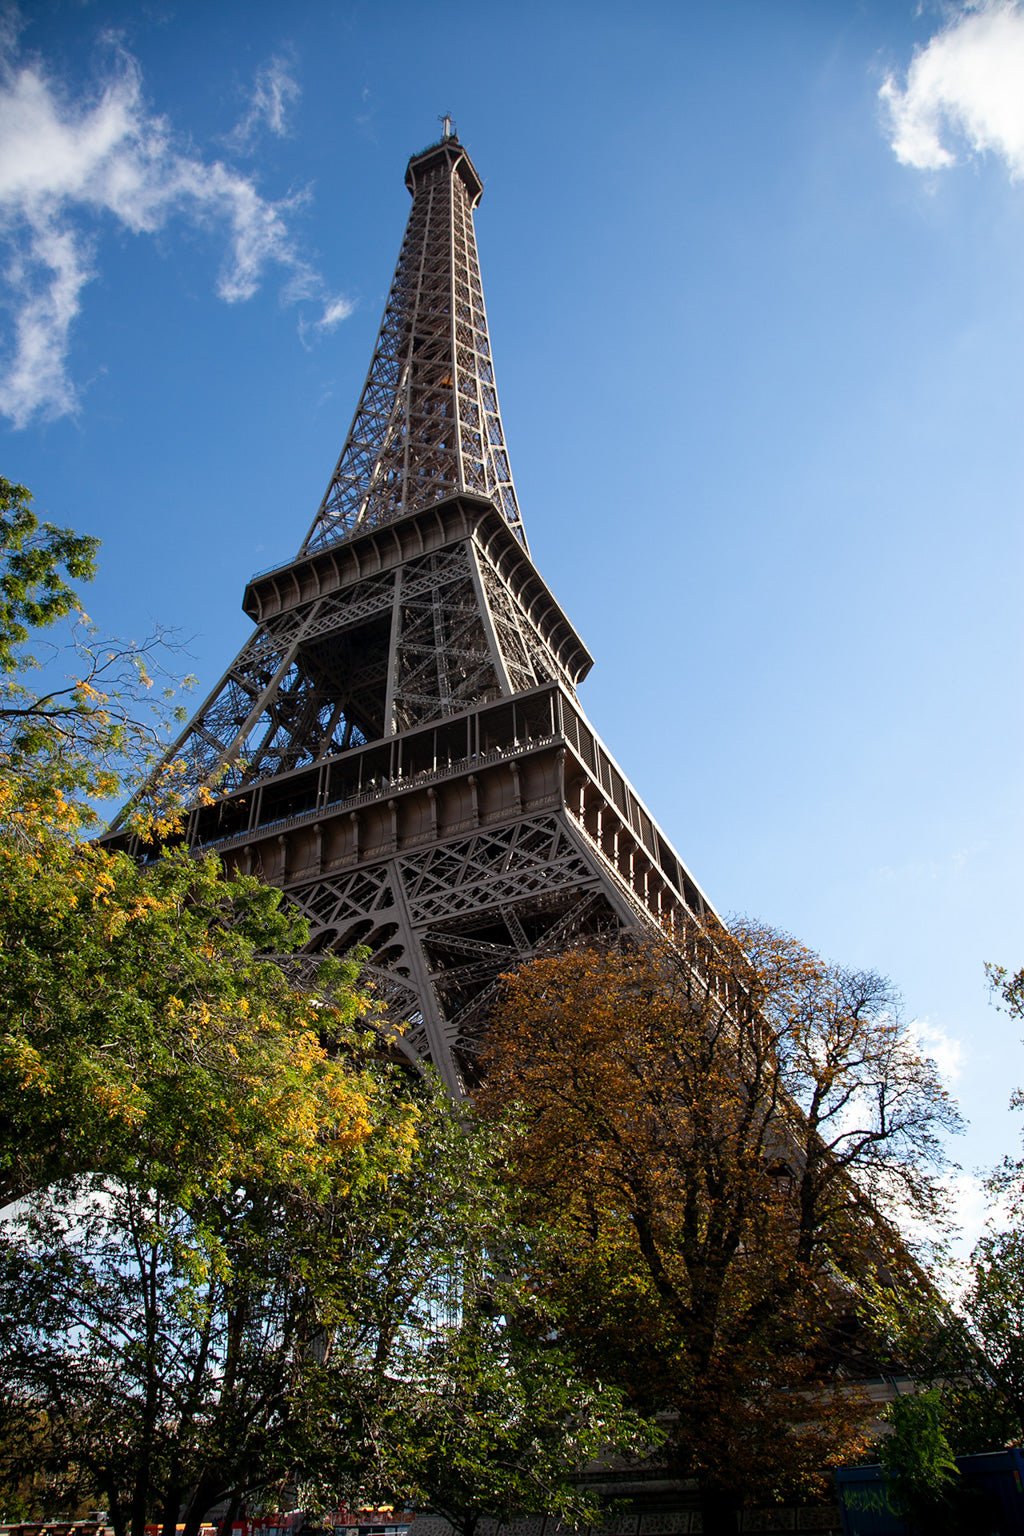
<point>170,1099</point>
<point>498,1422</point>
<point>994,1300</point>
<point>142,1027</point>
<point>969,1352</point>
<point>918,1463</point>
<point>144,1030</point>
<point>366,1340</point>
<point>1009,987</point>
<point>973,1352</point>
<point>726,1137</point>
<point>97,721</point>
<point>167,1351</point>
<point>487,1411</point>
<point>33,591</point>
<point>936,1344</point>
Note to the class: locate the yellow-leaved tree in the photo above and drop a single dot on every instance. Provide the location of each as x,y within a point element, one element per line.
<point>142,1027</point>
<point>174,1109</point>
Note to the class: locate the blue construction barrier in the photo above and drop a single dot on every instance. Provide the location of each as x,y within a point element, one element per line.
<point>991,1491</point>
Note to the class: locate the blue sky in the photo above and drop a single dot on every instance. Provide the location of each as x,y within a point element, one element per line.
<point>754,279</point>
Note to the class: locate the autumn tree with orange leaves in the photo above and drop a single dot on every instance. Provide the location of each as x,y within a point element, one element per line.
<point>724,1143</point>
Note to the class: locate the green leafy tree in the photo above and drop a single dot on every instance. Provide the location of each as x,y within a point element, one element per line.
<point>918,1463</point>
<point>498,1421</point>
<point>993,1304</point>
<point>383,1339</point>
<point>80,714</point>
<point>974,1351</point>
<point>167,1351</point>
<point>169,1097</point>
<point>143,1032</point>
<point>488,1413</point>
<point>924,1337</point>
<point>35,560</point>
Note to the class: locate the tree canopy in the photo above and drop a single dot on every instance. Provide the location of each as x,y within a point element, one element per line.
<point>143,1027</point>
<point>727,1141</point>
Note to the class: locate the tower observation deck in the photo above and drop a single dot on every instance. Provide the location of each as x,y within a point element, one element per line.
<point>399,745</point>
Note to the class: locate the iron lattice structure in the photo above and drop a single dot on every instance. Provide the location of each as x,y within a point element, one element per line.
<point>427,424</point>
<point>399,744</point>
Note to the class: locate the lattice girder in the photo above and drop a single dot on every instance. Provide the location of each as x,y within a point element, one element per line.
<point>526,884</point>
<point>440,633</point>
<point>427,425</point>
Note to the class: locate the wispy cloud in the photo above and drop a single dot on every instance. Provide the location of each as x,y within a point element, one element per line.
<point>274,91</point>
<point>966,84</point>
<point>945,1050</point>
<point>67,167</point>
<point>933,869</point>
<point>334,312</point>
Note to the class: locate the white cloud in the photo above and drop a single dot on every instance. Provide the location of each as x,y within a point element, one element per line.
<point>335,311</point>
<point>968,82</point>
<point>945,1050</point>
<point>274,90</point>
<point>66,166</point>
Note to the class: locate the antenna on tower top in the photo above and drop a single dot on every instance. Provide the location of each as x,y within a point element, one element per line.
<point>448,129</point>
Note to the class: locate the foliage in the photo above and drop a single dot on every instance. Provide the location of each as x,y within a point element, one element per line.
<point>33,592</point>
<point>172,1107</point>
<point>488,1412</point>
<point>1009,987</point>
<point>723,1138</point>
<point>97,721</point>
<point>994,1306</point>
<point>499,1423</point>
<point>1006,1182</point>
<point>925,1338</point>
<point>140,1029</point>
<point>165,1350</point>
<point>142,1032</point>
<point>994,1301</point>
<point>970,1352</point>
<point>360,1341</point>
<point>917,1461</point>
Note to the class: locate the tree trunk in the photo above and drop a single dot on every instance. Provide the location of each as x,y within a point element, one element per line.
<point>229,1517</point>
<point>202,1496</point>
<point>116,1515</point>
<point>718,1511</point>
<point>172,1500</point>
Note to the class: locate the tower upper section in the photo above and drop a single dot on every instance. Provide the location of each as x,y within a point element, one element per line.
<point>427,425</point>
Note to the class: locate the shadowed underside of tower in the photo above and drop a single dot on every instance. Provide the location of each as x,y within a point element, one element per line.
<point>399,744</point>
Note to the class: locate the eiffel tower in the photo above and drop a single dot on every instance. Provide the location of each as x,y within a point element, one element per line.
<point>399,745</point>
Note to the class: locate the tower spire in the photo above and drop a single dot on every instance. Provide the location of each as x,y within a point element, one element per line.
<point>427,425</point>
